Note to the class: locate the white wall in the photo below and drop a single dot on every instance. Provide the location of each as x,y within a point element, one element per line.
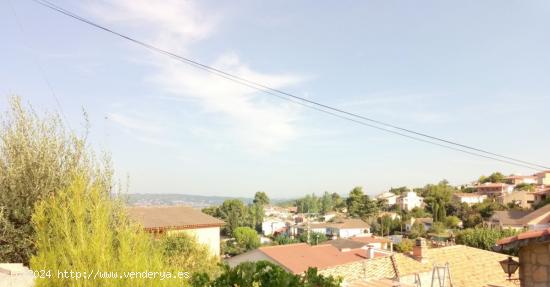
<point>209,236</point>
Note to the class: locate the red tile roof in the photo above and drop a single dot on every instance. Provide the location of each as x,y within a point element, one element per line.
<point>524,236</point>
<point>297,258</point>
<point>171,217</point>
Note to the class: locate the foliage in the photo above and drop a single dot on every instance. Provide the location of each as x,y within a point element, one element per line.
<point>265,274</point>
<point>361,205</point>
<point>387,225</point>
<point>308,204</point>
<point>327,203</point>
<point>283,240</point>
<point>314,238</point>
<point>81,229</point>
<point>261,198</point>
<point>246,237</point>
<point>525,186</point>
<point>183,251</point>
<point>438,228</point>
<point>437,196</point>
<point>417,230</point>
<point>37,159</point>
<point>418,212</point>
<point>483,238</point>
<point>438,210</point>
<point>406,245</point>
<point>542,203</point>
<point>452,221</point>
<point>233,211</point>
<point>494,178</point>
<point>487,208</point>
<point>399,190</point>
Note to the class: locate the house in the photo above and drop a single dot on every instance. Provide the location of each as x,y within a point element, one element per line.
<point>541,194</point>
<point>179,219</point>
<point>271,226</point>
<point>523,199</point>
<point>297,258</point>
<point>543,177</point>
<point>389,197</point>
<point>469,198</point>
<point>409,200</point>
<point>494,189</point>
<point>521,179</point>
<point>521,219</point>
<point>379,243</point>
<point>468,266</point>
<point>427,222</point>
<point>337,228</point>
<point>534,256</point>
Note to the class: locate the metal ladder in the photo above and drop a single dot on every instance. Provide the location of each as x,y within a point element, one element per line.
<point>441,278</point>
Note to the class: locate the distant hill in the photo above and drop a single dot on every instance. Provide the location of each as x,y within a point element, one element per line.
<point>197,201</point>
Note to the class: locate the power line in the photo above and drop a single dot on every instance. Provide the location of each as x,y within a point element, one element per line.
<point>309,103</point>
<point>37,64</point>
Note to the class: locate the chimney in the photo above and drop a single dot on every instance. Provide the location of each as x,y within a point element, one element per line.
<point>419,249</point>
<point>370,251</point>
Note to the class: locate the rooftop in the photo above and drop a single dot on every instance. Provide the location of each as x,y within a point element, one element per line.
<point>297,258</point>
<point>171,217</point>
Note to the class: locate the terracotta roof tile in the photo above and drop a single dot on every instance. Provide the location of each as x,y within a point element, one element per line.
<point>171,217</point>
<point>297,258</point>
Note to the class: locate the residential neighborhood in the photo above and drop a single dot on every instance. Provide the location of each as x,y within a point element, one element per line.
<point>274,144</point>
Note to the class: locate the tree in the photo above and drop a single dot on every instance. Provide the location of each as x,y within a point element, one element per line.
<point>235,214</point>
<point>265,274</point>
<point>80,228</point>
<point>184,251</point>
<point>417,230</point>
<point>246,237</point>
<point>452,221</point>
<point>38,158</point>
<point>405,246</point>
<point>483,238</point>
<point>327,203</point>
<point>494,178</point>
<point>283,240</point>
<point>261,198</point>
<point>361,205</point>
<point>314,238</point>
<point>355,202</point>
<point>338,202</point>
<point>399,190</point>
<point>308,204</point>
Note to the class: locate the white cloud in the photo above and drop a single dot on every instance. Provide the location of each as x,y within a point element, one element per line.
<point>259,123</point>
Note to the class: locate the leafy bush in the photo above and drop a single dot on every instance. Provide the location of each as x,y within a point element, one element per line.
<point>406,245</point>
<point>246,238</point>
<point>452,221</point>
<point>283,239</point>
<point>264,274</point>
<point>81,228</point>
<point>183,250</point>
<point>38,157</point>
<point>483,238</point>
<point>314,238</point>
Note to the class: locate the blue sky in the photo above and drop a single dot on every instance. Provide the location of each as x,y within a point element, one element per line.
<point>477,72</point>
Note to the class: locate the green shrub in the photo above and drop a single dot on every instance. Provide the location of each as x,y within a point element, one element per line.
<point>406,245</point>
<point>246,238</point>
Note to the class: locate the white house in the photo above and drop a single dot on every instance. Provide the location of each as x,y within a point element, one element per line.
<point>390,197</point>
<point>410,200</point>
<point>270,226</point>
<point>171,220</point>
<point>339,228</point>
<point>469,198</point>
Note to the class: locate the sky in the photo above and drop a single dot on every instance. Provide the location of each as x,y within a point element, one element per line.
<point>475,72</point>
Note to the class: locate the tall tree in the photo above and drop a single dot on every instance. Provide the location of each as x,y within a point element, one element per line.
<point>355,202</point>
<point>327,204</point>
<point>261,198</point>
<point>235,214</point>
<point>38,157</point>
